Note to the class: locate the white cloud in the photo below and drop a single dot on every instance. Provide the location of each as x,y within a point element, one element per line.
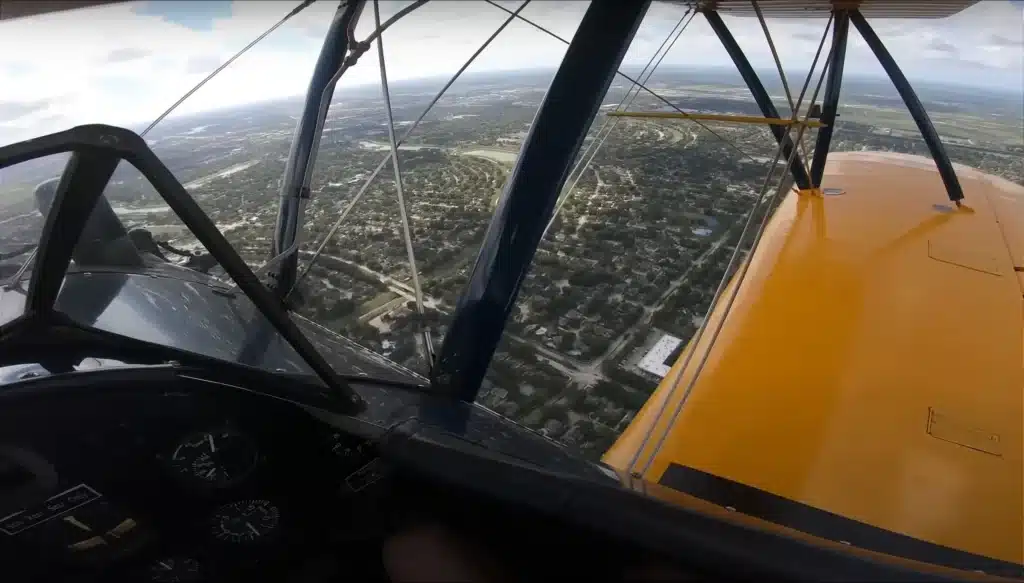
<point>120,64</point>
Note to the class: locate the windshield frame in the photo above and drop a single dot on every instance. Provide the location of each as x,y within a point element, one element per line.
<point>81,342</point>
<point>96,150</point>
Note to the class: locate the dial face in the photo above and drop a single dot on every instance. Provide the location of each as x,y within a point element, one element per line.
<point>245,521</point>
<point>219,458</point>
<point>175,570</point>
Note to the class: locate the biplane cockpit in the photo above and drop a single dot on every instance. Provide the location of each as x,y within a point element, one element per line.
<point>847,401</point>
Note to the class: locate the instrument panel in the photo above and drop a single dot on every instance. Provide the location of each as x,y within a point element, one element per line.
<point>181,487</point>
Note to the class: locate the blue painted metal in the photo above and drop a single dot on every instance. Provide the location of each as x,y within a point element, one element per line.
<point>293,188</point>
<point>528,202</point>
<point>764,101</point>
<point>924,123</point>
<point>830,105</point>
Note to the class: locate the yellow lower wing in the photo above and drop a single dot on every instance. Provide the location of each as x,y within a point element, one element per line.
<point>871,370</point>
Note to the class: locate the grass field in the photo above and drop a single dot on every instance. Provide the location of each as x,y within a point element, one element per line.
<point>992,130</point>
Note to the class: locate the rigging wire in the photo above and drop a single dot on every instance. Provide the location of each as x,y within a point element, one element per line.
<point>356,50</point>
<point>794,113</point>
<point>408,132</point>
<point>814,65</point>
<point>635,82</point>
<point>628,98</point>
<point>623,105</point>
<point>394,18</point>
<point>775,55</point>
<point>302,6</point>
<point>402,211</point>
<point>294,11</point>
<point>695,341</point>
<point>16,278</point>
<point>782,77</point>
<point>17,252</point>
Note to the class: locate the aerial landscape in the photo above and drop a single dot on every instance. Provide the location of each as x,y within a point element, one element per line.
<point>626,271</point>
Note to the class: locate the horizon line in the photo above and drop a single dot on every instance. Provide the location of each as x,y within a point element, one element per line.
<point>1002,91</point>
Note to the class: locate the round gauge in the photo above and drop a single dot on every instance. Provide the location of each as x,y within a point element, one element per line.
<point>175,570</point>
<point>219,458</point>
<point>245,521</point>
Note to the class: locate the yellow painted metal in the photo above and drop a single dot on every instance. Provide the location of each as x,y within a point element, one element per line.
<point>748,119</point>
<point>872,365</point>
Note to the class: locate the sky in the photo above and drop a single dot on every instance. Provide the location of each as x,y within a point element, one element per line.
<point>126,63</point>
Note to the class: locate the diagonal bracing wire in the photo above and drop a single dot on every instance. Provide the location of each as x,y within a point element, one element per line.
<point>373,175</point>
<point>814,63</point>
<point>741,274</point>
<point>302,6</point>
<point>623,105</point>
<point>394,18</point>
<point>644,76</point>
<point>356,50</point>
<point>15,279</point>
<point>402,210</point>
<point>775,55</point>
<point>782,76</point>
<point>635,82</point>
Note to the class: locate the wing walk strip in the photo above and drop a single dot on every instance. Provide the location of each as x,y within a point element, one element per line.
<point>823,524</point>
